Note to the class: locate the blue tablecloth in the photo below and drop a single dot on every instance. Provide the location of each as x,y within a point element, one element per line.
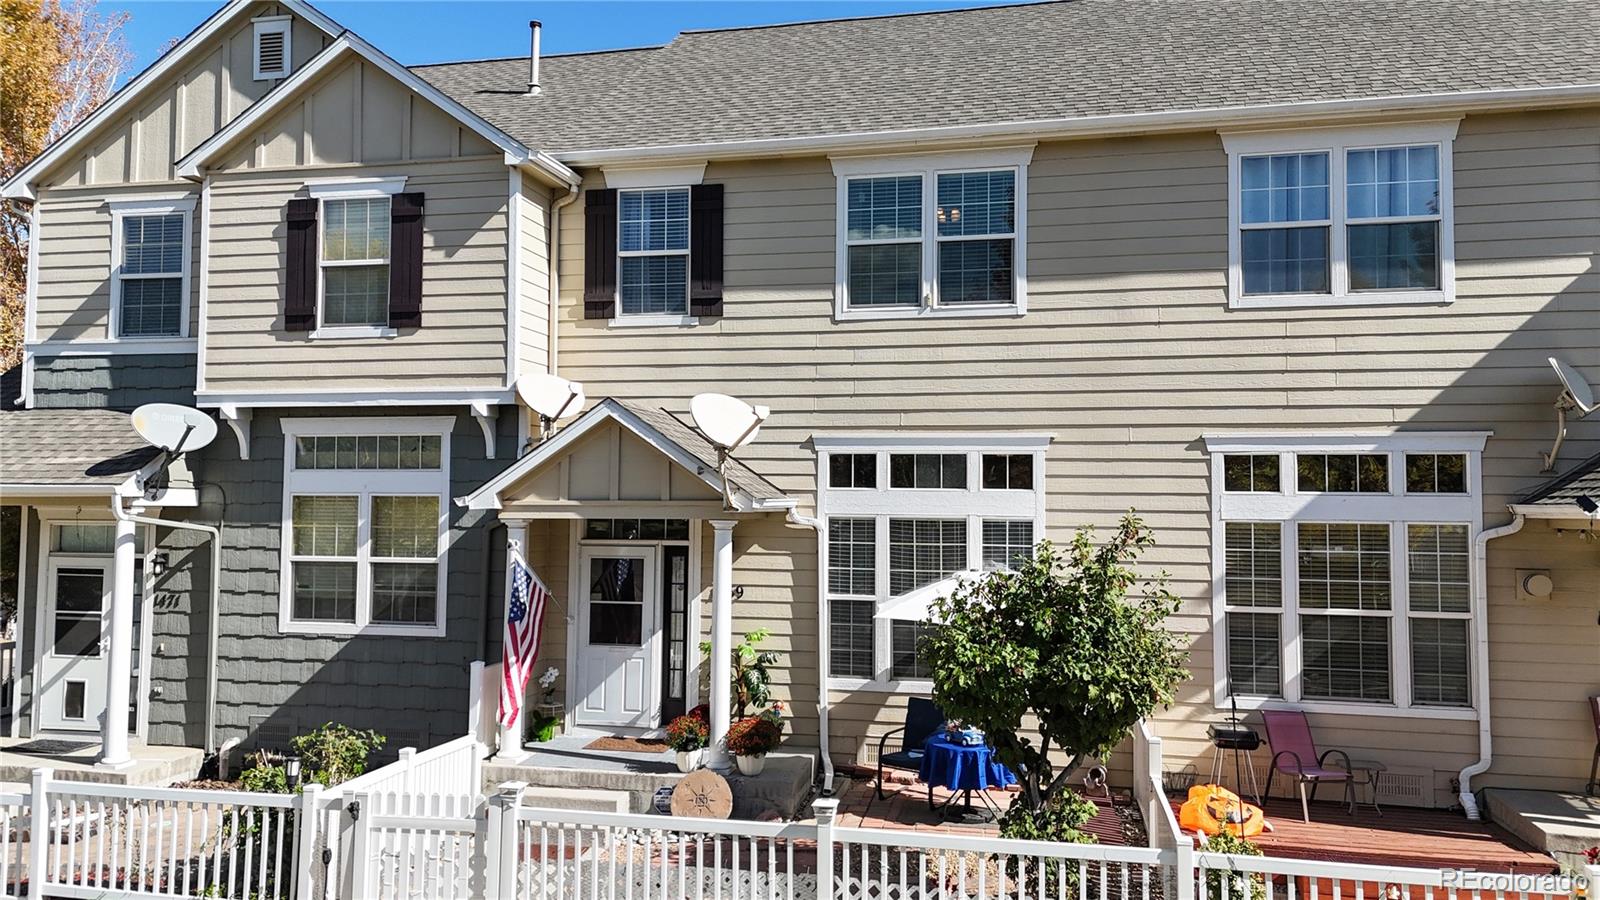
<point>960,768</point>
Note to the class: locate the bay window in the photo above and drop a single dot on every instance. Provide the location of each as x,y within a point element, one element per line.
<point>365,518</point>
<point>905,519</point>
<point>932,234</point>
<point>1346,588</point>
<point>1358,215</point>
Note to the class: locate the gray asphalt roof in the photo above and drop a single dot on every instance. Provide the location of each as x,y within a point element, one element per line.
<point>69,447</point>
<point>740,476</point>
<point>1582,480</point>
<point>1065,59</point>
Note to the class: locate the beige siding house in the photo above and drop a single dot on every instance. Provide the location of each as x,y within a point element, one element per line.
<point>1302,322</point>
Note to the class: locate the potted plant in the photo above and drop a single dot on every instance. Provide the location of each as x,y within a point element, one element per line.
<point>545,718</point>
<point>1591,870</point>
<point>688,735</point>
<point>751,738</point>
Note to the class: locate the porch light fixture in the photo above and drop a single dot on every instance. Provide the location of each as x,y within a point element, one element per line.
<point>291,771</point>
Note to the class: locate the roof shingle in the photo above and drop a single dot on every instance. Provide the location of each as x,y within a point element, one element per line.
<point>70,447</point>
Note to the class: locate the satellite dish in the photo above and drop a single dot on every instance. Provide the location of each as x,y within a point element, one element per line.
<point>554,398</point>
<point>730,423</point>
<point>175,429</point>
<point>1577,394</point>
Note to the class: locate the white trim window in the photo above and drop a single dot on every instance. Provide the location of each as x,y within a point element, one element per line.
<point>653,254</point>
<point>365,523</point>
<point>272,44</point>
<point>905,516</point>
<point>1342,579</point>
<point>353,252</point>
<point>934,234</point>
<point>150,282</point>
<point>1341,216</point>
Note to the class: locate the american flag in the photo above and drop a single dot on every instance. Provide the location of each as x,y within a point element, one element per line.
<point>524,628</point>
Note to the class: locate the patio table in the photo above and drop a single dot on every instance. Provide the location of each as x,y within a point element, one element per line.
<point>964,769</point>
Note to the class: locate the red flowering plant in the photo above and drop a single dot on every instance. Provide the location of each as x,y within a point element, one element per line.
<point>1592,856</point>
<point>754,736</point>
<point>688,733</point>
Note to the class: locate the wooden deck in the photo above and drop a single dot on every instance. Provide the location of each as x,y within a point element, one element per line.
<point>1402,836</point>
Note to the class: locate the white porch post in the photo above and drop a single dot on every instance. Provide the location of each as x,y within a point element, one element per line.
<point>721,639</point>
<point>118,648</point>
<point>509,745</point>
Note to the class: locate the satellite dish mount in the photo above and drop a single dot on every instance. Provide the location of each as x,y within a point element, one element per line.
<point>176,430</point>
<point>552,397</point>
<point>1576,394</point>
<point>729,423</point>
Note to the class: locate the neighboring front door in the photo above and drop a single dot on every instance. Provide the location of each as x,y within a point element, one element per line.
<point>617,638</point>
<point>72,692</point>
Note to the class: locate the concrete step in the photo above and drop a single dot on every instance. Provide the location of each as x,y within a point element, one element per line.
<point>1561,824</point>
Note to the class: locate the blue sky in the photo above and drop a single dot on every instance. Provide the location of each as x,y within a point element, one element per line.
<point>421,32</point>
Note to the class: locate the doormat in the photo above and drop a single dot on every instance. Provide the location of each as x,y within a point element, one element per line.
<point>618,743</point>
<point>48,747</point>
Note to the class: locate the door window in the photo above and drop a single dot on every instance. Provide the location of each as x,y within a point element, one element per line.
<point>80,597</point>
<point>616,602</point>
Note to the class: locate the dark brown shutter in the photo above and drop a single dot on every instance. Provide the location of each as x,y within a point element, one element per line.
<point>405,261</point>
<point>600,254</point>
<point>705,250</point>
<point>300,267</point>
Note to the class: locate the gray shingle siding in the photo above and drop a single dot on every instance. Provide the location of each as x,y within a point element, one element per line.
<point>273,685</point>
<point>113,382</point>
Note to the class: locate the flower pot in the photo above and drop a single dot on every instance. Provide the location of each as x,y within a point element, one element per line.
<point>689,760</point>
<point>751,765</point>
<point>1593,874</point>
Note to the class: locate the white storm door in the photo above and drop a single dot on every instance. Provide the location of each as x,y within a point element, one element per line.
<point>617,628</point>
<point>72,669</point>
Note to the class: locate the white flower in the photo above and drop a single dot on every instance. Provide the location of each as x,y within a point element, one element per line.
<point>549,677</point>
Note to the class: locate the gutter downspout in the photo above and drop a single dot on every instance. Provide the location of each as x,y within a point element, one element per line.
<point>1480,613</point>
<point>553,283</point>
<point>216,598</point>
<point>799,521</point>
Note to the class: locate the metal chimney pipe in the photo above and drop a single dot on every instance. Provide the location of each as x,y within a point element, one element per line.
<point>533,57</point>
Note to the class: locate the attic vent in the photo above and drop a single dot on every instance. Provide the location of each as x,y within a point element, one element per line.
<point>272,47</point>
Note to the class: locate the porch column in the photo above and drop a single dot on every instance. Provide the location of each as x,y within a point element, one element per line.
<point>509,745</point>
<point>118,648</point>
<point>721,640</point>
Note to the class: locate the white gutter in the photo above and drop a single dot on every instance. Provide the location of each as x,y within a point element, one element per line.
<point>216,598</point>
<point>1480,614</point>
<point>1269,115</point>
<point>553,264</point>
<point>1550,511</point>
<point>799,521</point>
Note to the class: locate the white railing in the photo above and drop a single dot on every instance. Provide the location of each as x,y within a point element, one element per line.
<point>8,675</point>
<point>1218,876</point>
<point>95,840</point>
<point>1162,830</point>
<point>415,846</point>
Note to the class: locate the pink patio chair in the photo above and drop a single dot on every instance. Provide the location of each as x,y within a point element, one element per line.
<point>1294,754</point>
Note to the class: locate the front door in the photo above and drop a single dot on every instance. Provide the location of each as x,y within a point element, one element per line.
<point>72,690</point>
<point>617,638</point>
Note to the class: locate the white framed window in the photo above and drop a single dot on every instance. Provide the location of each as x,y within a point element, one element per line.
<point>150,278</point>
<point>932,234</point>
<point>353,252</point>
<point>273,38</point>
<point>1346,586</point>
<point>1341,216</point>
<point>904,517</point>
<point>653,254</point>
<point>365,526</point>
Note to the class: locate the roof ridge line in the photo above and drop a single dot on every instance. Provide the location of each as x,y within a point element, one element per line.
<point>1003,4</point>
<point>490,59</point>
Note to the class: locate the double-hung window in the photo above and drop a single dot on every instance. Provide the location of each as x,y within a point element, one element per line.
<point>1341,216</point>
<point>150,284</point>
<point>1346,586</point>
<point>353,256</point>
<point>938,234</point>
<point>904,520</point>
<point>653,252</point>
<point>365,514</point>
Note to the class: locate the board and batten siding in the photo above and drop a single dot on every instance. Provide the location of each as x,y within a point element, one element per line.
<point>188,105</point>
<point>462,340</point>
<point>73,294</point>
<point>1128,354</point>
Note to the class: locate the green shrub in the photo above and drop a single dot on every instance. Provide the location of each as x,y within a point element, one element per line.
<point>334,754</point>
<point>1058,820</point>
<point>1231,885</point>
<point>265,776</point>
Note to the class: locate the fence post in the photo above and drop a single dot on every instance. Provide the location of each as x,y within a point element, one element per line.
<point>361,845</point>
<point>1183,868</point>
<point>825,811</point>
<point>39,833</point>
<point>500,850</point>
<point>307,822</point>
<point>475,776</point>
<point>475,700</point>
<point>1153,783</point>
<point>408,769</point>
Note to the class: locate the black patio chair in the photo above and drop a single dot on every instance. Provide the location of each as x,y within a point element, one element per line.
<point>923,718</point>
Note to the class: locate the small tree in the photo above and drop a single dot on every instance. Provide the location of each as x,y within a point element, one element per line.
<point>1060,639</point>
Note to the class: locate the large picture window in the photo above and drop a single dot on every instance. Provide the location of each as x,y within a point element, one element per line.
<point>1341,216</point>
<point>365,519</point>
<point>941,234</point>
<point>1346,588</point>
<point>895,542</point>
